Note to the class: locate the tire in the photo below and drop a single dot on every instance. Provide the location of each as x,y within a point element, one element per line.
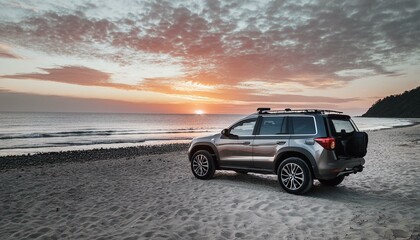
<point>241,171</point>
<point>202,165</point>
<point>294,176</point>
<point>332,182</point>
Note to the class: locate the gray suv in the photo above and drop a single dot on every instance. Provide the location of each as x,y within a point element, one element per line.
<point>297,145</point>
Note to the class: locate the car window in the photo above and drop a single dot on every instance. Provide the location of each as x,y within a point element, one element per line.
<point>272,126</point>
<point>243,128</point>
<point>342,124</point>
<point>303,125</point>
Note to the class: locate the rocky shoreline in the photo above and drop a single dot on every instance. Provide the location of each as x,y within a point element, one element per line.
<point>12,162</point>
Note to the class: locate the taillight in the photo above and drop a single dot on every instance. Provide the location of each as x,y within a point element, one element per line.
<point>327,142</point>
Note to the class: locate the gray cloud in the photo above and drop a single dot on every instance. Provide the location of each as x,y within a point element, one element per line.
<point>279,41</point>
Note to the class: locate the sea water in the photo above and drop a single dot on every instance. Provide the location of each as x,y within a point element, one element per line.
<point>23,133</point>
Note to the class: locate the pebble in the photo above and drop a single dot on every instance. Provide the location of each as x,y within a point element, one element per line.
<point>13,162</point>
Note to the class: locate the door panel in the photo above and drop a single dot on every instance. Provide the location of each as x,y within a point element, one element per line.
<point>236,150</point>
<point>265,150</point>
<point>271,136</point>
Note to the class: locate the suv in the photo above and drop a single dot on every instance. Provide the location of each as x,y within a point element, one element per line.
<point>297,145</point>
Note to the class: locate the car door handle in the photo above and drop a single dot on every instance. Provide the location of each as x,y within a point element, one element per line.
<point>246,143</point>
<point>280,142</point>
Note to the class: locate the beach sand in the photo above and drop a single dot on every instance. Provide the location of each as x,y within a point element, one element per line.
<point>155,196</point>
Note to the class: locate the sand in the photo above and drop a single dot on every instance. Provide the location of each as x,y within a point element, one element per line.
<point>157,197</point>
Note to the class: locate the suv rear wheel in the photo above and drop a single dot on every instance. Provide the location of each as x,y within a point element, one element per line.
<point>294,176</point>
<point>202,165</point>
<point>332,182</point>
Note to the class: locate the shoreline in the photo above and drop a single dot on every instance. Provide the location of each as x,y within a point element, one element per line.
<point>96,154</point>
<point>394,127</point>
<point>27,143</point>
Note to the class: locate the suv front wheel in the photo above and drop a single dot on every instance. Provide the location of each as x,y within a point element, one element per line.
<point>202,165</point>
<point>294,176</point>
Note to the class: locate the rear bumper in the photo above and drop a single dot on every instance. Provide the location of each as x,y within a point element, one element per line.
<point>335,168</point>
<point>349,171</point>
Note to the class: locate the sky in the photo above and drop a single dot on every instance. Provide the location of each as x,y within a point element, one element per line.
<point>210,56</point>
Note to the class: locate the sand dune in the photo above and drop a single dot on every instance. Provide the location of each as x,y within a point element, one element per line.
<point>156,197</point>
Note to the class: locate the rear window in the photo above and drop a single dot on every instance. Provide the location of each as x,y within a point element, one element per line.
<point>303,125</point>
<point>272,126</point>
<point>340,125</point>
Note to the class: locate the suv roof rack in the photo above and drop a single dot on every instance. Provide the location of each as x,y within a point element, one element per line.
<point>288,110</point>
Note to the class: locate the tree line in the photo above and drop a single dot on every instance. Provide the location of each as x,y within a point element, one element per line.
<point>404,105</point>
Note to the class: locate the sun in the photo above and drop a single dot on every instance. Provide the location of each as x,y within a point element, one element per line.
<point>199,112</point>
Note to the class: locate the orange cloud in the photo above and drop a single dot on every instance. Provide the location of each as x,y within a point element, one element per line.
<point>257,93</point>
<point>73,75</point>
<point>6,53</point>
<point>230,93</point>
<point>288,43</point>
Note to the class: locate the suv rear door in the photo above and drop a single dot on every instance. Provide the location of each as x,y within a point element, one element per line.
<point>303,131</point>
<point>271,136</point>
<point>349,141</point>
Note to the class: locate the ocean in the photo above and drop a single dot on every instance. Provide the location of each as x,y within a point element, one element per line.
<point>23,133</point>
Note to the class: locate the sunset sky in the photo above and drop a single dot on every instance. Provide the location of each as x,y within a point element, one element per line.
<point>214,56</point>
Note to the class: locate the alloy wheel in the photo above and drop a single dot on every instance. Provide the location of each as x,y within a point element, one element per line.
<point>200,165</point>
<point>292,176</point>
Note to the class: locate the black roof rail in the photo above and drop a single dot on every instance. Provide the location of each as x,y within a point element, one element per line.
<point>262,110</point>
<point>288,110</point>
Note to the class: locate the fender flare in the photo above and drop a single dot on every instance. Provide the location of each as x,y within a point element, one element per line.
<point>306,153</point>
<point>198,144</point>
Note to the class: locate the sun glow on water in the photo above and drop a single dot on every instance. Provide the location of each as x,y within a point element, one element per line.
<point>199,112</point>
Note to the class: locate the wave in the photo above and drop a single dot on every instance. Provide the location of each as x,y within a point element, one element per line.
<point>99,142</point>
<point>98,133</point>
<point>375,124</point>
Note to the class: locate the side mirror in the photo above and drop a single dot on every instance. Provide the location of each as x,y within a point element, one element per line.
<point>225,132</point>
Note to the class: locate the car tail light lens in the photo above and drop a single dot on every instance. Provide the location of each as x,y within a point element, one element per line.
<point>327,143</point>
